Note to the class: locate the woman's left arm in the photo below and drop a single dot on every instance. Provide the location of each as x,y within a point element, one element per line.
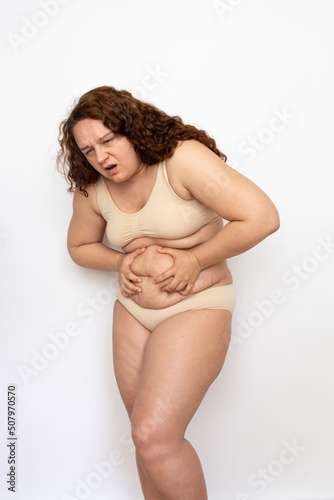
<point>251,214</point>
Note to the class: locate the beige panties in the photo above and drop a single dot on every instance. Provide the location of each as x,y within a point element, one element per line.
<point>217,297</point>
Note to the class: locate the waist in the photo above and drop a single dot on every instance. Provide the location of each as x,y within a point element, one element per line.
<point>151,263</point>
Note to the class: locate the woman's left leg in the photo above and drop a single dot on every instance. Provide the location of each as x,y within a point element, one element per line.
<point>182,358</point>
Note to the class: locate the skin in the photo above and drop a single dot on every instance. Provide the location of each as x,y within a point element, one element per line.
<point>158,372</point>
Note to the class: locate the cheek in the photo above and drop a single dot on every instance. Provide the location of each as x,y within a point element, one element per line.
<point>129,150</point>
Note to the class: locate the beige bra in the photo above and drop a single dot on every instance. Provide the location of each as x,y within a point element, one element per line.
<point>165,215</point>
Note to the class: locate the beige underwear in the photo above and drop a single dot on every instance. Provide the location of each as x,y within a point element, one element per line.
<point>218,297</point>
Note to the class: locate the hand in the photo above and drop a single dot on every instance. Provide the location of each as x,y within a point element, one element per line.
<point>126,278</point>
<point>184,271</point>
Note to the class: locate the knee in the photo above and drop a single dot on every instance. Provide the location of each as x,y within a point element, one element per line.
<point>153,439</point>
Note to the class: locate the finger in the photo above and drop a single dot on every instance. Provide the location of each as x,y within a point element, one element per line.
<point>130,287</point>
<point>173,286</point>
<point>139,251</point>
<point>127,274</point>
<point>164,276</point>
<point>134,288</point>
<point>187,289</point>
<point>165,283</point>
<point>132,277</point>
<point>132,291</point>
<point>128,293</point>
<point>132,256</point>
<point>169,251</point>
<point>180,287</point>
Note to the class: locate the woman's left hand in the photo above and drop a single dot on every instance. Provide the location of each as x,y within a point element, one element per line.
<point>184,271</point>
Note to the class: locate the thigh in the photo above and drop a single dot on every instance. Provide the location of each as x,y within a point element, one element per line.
<point>129,340</point>
<point>183,356</point>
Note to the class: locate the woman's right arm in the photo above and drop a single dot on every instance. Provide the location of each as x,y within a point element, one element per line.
<point>84,242</point>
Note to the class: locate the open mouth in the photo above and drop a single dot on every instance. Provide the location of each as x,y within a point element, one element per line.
<point>111,167</point>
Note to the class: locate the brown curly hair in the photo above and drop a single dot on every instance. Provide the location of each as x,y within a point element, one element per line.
<point>152,132</point>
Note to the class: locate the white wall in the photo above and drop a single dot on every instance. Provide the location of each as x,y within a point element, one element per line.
<point>229,67</point>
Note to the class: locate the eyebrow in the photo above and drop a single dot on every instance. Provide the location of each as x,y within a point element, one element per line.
<point>101,139</point>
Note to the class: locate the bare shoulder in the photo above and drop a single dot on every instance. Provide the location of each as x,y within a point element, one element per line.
<point>85,203</point>
<point>197,170</point>
<point>188,151</point>
<point>193,164</point>
<point>87,224</point>
<point>195,156</point>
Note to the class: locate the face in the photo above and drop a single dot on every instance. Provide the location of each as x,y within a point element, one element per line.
<point>113,156</point>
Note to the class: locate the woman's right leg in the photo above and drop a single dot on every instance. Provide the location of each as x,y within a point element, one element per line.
<point>129,342</point>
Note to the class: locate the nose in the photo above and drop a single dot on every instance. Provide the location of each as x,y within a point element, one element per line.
<point>100,154</point>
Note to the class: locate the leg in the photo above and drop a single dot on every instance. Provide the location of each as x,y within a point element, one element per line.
<point>183,356</point>
<point>129,341</point>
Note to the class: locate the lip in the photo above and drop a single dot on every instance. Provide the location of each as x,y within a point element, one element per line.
<point>113,170</point>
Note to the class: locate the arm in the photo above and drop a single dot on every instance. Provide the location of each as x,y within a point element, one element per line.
<point>203,175</point>
<point>84,242</point>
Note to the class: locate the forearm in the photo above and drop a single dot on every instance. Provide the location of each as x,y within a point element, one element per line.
<point>95,256</point>
<point>235,238</point>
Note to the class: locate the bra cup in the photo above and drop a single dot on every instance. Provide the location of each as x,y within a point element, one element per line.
<point>165,215</point>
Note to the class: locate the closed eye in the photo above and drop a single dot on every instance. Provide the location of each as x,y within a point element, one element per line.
<point>89,151</point>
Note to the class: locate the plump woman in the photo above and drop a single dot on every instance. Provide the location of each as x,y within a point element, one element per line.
<point>160,190</point>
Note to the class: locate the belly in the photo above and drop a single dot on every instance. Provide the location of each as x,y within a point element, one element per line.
<point>151,263</point>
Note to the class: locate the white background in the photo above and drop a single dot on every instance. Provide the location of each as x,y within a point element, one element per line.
<point>228,67</point>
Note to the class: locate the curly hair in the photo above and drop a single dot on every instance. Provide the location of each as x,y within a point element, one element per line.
<point>153,134</point>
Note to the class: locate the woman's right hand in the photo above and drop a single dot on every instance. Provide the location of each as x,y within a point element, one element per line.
<point>126,278</point>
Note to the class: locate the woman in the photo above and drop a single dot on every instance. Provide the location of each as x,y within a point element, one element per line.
<point>160,189</point>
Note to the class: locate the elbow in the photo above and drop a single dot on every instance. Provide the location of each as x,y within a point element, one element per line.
<point>73,257</point>
<point>73,250</point>
<point>272,222</point>
<point>275,221</point>
<point>73,253</point>
<point>265,224</point>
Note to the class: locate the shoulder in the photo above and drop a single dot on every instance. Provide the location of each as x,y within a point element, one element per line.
<point>193,155</point>
<point>193,164</point>
<point>189,149</point>
<point>90,202</point>
<point>210,180</point>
